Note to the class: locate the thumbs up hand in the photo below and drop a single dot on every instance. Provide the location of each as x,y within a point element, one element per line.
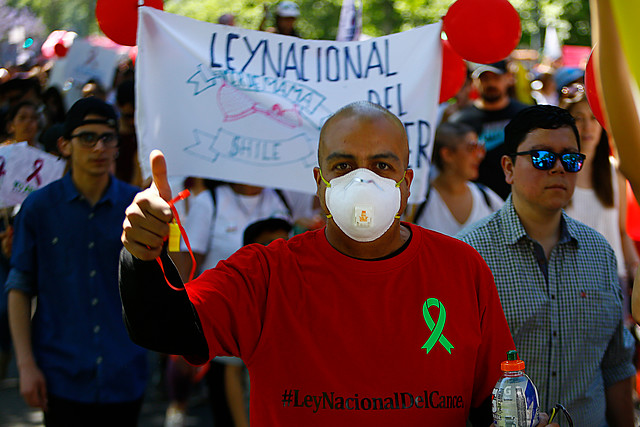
<point>147,219</point>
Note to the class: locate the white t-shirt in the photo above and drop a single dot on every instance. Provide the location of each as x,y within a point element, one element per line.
<point>218,232</point>
<point>587,208</point>
<point>437,216</point>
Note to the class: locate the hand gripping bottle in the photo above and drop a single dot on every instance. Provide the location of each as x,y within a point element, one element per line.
<point>514,400</point>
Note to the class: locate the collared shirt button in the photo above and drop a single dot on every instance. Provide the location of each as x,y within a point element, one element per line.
<point>92,273</point>
<point>96,329</point>
<point>54,240</point>
<point>91,245</point>
<point>553,296</point>
<point>99,360</point>
<point>553,373</point>
<point>94,301</point>
<point>555,333</point>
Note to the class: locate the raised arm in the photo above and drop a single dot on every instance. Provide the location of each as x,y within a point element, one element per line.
<point>616,91</point>
<point>156,316</point>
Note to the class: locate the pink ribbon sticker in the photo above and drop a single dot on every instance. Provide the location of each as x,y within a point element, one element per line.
<point>35,174</point>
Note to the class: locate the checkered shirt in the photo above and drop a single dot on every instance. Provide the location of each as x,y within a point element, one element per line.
<point>567,327</point>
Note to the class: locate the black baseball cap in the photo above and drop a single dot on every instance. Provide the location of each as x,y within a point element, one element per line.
<point>84,107</point>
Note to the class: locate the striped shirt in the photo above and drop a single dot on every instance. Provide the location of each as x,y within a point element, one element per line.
<point>564,313</point>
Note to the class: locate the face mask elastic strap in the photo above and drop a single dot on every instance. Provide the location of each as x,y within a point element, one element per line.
<point>181,196</point>
<point>324,180</point>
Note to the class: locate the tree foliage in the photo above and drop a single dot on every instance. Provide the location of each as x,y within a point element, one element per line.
<point>13,17</point>
<point>319,18</point>
<point>70,15</point>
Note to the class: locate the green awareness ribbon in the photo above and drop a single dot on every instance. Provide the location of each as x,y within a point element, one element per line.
<point>436,328</point>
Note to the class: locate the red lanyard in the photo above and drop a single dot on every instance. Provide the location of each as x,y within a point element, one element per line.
<point>181,196</point>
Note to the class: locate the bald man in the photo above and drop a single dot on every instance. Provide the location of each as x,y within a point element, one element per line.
<point>368,321</point>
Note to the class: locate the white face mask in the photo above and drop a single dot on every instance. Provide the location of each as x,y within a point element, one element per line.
<point>362,203</point>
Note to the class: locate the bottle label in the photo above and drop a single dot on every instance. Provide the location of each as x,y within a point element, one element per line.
<point>514,403</point>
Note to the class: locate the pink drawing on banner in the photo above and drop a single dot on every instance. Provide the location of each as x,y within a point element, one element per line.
<point>36,172</point>
<point>235,105</point>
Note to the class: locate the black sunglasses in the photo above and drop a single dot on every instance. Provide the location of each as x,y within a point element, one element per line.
<point>545,159</point>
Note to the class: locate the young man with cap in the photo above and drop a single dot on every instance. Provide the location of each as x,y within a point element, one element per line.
<point>341,326</point>
<point>557,278</point>
<point>74,357</point>
<point>488,115</point>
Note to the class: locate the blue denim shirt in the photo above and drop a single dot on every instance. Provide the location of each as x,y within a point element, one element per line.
<point>65,252</point>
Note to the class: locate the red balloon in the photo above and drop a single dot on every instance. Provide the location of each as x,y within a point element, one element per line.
<point>118,19</point>
<point>454,72</point>
<point>482,31</point>
<point>60,49</point>
<point>591,89</point>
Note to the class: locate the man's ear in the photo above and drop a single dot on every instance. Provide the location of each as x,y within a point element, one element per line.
<point>319,191</point>
<point>318,178</point>
<point>64,147</point>
<point>507,167</point>
<point>408,177</point>
<point>446,153</point>
<point>404,202</point>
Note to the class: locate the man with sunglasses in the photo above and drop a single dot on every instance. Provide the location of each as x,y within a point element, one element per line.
<point>74,357</point>
<point>556,277</point>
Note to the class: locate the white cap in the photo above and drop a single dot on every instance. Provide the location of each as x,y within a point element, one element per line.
<point>287,9</point>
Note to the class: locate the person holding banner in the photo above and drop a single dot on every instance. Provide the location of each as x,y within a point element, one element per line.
<point>345,325</point>
<point>74,358</point>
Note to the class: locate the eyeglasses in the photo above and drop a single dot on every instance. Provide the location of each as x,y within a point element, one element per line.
<point>545,159</point>
<point>573,93</point>
<point>90,139</point>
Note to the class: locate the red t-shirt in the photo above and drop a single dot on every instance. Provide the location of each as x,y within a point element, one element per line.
<point>334,341</point>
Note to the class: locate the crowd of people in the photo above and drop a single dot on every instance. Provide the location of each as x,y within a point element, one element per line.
<point>521,235</point>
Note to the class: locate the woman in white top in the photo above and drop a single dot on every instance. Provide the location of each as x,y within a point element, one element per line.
<point>453,202</point>
<point>599,199</point>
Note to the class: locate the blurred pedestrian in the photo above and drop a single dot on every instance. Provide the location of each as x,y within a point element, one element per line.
<point>488,115</point>
<point>600,197</point>
<point>453,201</point>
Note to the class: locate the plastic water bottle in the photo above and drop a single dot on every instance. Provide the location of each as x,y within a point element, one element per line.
<point>514,399</point>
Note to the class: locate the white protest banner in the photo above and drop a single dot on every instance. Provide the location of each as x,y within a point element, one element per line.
<point>24,169</point>
<point>84,61</point>
<point>247,106</point>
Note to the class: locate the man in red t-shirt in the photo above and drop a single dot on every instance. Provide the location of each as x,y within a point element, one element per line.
<point>368,321</point>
